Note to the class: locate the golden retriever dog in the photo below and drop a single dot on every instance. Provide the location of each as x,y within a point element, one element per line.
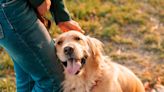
<point>88,70</point>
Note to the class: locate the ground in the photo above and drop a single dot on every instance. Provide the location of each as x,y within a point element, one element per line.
<point>132,32</point>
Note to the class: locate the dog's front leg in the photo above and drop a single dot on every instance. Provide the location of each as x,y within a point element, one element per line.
<point>113,86</point>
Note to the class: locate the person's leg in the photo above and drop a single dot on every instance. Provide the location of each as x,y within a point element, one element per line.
<point>31,47</point>
<point>24,82</point>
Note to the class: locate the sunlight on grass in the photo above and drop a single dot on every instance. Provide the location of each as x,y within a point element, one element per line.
<point>151,39</point>
<point>131,30</point>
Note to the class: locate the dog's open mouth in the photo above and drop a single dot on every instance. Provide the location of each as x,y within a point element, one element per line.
<point>73,66</point>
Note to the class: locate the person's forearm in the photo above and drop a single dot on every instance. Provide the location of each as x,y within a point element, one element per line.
<point>36,3</point>
<point>59,11</point>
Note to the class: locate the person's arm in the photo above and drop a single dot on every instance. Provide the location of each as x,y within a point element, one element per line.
<point>62,17</point>
<point>59,11</point>
<point>36,3</point>
<point>41,6</point>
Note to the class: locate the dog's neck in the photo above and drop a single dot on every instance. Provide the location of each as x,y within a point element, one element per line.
<point>93,72</point>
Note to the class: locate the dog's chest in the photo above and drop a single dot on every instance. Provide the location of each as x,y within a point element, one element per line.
<point>77,85</point>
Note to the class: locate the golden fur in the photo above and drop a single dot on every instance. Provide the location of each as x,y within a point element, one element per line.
<point>98,74</point>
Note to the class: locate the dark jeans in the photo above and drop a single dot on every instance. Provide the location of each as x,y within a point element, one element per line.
<point>31,48</point>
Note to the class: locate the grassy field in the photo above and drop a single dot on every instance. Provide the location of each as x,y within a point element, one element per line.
<point>132,31</point>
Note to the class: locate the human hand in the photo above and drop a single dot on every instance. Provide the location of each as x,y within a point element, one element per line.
<point>70,25</point>
<point>44,7</point>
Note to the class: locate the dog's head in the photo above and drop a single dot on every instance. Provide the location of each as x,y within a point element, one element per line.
<point>74,49</point>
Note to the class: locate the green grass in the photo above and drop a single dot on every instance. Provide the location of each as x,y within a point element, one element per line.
<point>7,84</point>
<point>110,32</point>
<point>132,31</point>
<point>151,39</point>
<point>122,40</point>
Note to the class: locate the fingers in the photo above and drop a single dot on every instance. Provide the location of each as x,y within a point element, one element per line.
<point>44,7</point>
<point>70,25</point>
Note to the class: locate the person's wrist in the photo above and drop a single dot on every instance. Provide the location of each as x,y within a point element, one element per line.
<point>44,7</point>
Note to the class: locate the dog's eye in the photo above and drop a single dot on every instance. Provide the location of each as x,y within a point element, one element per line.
<point>59,42</point>
<point>77,38</point>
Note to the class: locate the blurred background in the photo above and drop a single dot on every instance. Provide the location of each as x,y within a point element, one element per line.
<point>132,31</point>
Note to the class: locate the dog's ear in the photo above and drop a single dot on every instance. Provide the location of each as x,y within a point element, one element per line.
<point>96,46</point>
<point>54,39</point>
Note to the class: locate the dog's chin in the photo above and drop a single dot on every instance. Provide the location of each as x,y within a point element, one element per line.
<point>73,66</point>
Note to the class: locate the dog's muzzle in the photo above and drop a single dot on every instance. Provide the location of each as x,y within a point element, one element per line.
<point>73,66</point>
<point>68,50</point>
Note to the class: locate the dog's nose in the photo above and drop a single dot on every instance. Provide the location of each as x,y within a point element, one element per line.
<point>68,50</point>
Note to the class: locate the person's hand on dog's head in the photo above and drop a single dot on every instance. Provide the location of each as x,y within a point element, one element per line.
<point>70,25</point>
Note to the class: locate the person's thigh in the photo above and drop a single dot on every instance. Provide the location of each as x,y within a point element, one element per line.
<point>31,47</point>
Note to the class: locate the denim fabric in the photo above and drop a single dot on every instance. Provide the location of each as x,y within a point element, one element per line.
<point>31,48</point>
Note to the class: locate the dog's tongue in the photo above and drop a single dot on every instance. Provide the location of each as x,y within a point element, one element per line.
<point>73,66</point>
